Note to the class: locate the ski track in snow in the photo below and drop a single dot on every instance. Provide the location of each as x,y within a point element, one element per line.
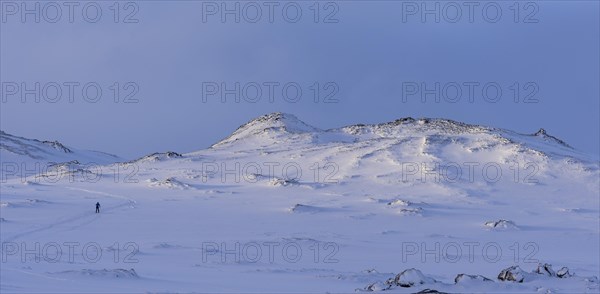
<point>81,216</point>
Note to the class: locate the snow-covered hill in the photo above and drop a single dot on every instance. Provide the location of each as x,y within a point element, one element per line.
<point>276,128</point>
<point>21,156</point>
<point>281,206</point>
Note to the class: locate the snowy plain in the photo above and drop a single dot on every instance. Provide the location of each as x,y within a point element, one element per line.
<point>281,206</point>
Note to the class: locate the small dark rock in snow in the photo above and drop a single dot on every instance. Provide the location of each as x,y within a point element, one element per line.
<point>545,269</point>
<point>591,280</point>
<point>171,154</point>
<point>563,273</point>
<point>377,286</point>
<point>430,291</point>
<point>158,156</point>
<point>125,273</point>
<point>404,120</point>
<point>465,277</point>
<point>399,202</point>
<point>114,273</point>
<point>512,274</point>
<point>411,211</point>
<point>283,182</point>
<point>409,278</point>
<point>501,224</point>
<point>303,208</point>
<point>370,271</point>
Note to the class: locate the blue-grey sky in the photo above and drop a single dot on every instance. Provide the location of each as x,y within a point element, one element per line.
<point>368,54</point>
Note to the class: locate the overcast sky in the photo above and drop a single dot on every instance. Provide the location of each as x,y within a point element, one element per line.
<point>354,61</point>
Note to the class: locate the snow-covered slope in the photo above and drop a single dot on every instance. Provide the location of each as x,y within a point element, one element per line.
<point>28,152</point>
<point>281,206</point>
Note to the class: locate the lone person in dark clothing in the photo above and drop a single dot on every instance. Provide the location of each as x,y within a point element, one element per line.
<point>97,207</point>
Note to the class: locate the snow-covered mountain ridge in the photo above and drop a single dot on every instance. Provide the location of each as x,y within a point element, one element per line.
<point>284,129</point>
<point>19,149</point>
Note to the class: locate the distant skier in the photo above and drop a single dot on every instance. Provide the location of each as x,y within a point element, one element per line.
<point>97,207</point>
